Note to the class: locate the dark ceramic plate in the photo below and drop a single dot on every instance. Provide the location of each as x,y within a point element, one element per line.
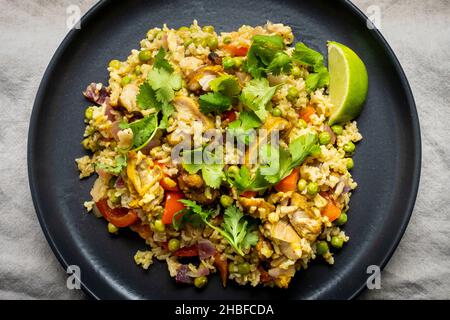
<point>387,160</point>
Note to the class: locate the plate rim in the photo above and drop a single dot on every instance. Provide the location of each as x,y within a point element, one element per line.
<point>37,108</point>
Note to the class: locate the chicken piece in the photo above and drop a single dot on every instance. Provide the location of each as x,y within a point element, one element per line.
<point>192,180</point>
<point>128,97</point>
<point>299,201</point>
<point>264,249</point>
<point>271,124</point>
<point>291,250</point>
<point>188,110</point>
<point>281,276</point>
<point>283,231</point>
<point>194,188</point>
<point>125,138</point>
<point>257,207</point>
<point>189,64</point>
<point>197,80</point>
<point>305,226</point>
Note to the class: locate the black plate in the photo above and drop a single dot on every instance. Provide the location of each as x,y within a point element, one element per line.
<point>387,160</point>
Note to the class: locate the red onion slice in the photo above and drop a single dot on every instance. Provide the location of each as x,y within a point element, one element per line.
<point>182,276</point>
<point>205,249</point>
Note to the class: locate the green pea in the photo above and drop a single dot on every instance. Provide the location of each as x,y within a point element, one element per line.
<point>226,201</point>
<point>292,94</point>
<point>349,147</point>
<point>302,124</point>
<point>137,70</point>
<point>312,188</point>
<point>159,226</point>
<point>324,138</point>
<point>212,43</point>
<point>322,248</point>
<point>226,40</point>
<point>238,61</point>
<point>115,64</point>
<point>208,29</point>
<point>337,129</point>
<point>126,80</point>
<point>228,62</point>
<point>244,268</point>
<point>184,28</point>
<point>200,282</point>
<point>145,55</point>
<point>337,242</point>
<point>232,268</point>
<point>89,113</point>
<point>187,42</point>
<point>342,219</point>
<point>112,228</point>
<point>295,71</point>
<point>350,163</point>
<point>301,185</point>
<point>174,244</point>
<point>233,170</point>
<point>276,112</point>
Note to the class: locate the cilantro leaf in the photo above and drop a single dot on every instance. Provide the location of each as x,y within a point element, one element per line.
<point>214,102</point>
<point>251,238</point>
<point>226,85</point>
<point>146,98</point>
<point>307,56</point>
<point>164,84</point>
<point>303,147</point>
<point>280,163</point>
<point>263,50</point>
<point>244,181</point>
<point>241,127</point>
<point>212,173</point>
<point>256,95</point>
<point>240,181</point>
<point>320,77</point>
<point>143,131</point>
<point>317,80</point>
<point>282,63</point>
<point>235,228</point>
<point>161,62</point>
<point>167,109</point>
<point>197,209</point>
<point>120,164</point>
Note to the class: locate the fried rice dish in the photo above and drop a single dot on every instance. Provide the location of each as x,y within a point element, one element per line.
<point>218,151</point>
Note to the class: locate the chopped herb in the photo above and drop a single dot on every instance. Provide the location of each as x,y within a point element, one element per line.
<point>319,77</point>
<point>263,51</point>
<point>143,131</point>
<point>241,127</point>
<point>146,98</point>
<point>226,85</point>
<point>235,227</point>
<point>212,172</point>
<point>282,63</point>
<point>161,62</point>
<point>256,95</point>
<point>214,102</point>
<point>120,164</point>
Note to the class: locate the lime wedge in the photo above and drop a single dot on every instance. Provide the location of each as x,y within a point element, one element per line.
<point>348,83</point>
